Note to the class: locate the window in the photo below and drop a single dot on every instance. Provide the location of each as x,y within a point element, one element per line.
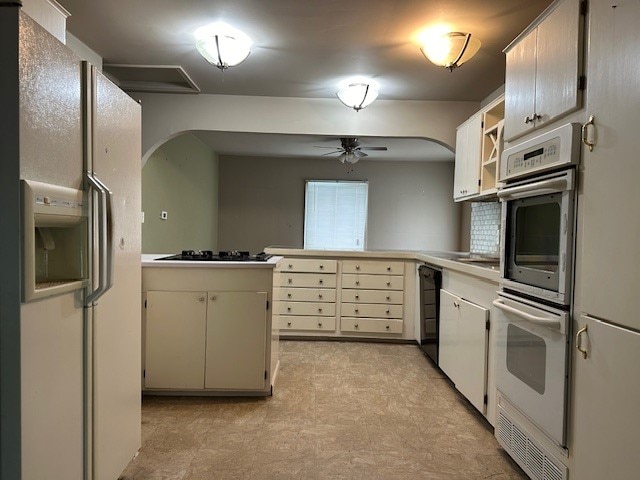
<point>335,215</point>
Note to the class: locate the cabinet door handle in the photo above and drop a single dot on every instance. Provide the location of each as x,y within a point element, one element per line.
<point>583,351</point>
<point>456,304</point>
<point>528,119</point>
<point>201,299</point>
<point>585,133</point>
<point>213,298</point>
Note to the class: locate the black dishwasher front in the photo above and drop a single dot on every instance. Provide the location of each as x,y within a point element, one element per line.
<point>430,283</point>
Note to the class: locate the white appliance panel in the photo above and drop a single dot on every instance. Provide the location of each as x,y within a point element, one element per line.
<point>531,362</point>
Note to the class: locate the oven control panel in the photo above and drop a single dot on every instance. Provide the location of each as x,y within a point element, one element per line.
<point>556,148</point>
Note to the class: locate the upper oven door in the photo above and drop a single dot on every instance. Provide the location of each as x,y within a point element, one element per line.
<point>537,235</point>
<point>531,361</point>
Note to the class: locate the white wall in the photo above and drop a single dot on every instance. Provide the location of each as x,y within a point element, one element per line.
<point>181,178</point>
<point>167,115</point>
<point>261,202</point>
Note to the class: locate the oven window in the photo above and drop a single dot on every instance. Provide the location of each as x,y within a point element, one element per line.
<point>526,357</point>
<point>537,231</point>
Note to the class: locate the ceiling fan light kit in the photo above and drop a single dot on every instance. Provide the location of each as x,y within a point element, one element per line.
<point>350,150</point>
<point>358,93</point>
<point>222,45</point>
<point>450,50</point>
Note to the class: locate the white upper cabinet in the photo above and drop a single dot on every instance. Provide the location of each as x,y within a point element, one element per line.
<point>544,69</point>
<point>467,169</point>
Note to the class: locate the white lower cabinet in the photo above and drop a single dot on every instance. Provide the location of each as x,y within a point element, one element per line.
<point>206,340</point>
<point>175,337</point>
<point>606,396</point>
<point>463,346</point>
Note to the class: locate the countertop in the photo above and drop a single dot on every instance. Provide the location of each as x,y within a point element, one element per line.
<point>457,261</point>
<point>150,260</point>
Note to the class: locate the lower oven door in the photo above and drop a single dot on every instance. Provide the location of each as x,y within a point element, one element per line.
<point>537,226</point>
<point>531,362</point>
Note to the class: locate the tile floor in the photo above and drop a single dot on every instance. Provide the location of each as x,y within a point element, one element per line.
<point>339,411</point>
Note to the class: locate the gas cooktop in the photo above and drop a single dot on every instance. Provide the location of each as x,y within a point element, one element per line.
<point>209,256</point>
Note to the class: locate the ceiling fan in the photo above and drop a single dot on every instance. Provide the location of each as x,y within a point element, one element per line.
<point>350,151</point>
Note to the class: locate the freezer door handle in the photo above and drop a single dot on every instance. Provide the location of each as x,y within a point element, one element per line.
<point>105,258</point>
<point>109,232</point>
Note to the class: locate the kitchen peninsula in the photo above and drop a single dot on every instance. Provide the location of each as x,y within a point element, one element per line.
<point>207,327</point>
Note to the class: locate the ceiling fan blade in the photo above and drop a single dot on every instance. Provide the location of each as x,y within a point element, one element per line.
<point>382,149</point>
<point>331,153</point>
<point>359,154</point>
<point>318,146</point>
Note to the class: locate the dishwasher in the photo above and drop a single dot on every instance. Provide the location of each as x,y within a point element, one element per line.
<point>430,283</point>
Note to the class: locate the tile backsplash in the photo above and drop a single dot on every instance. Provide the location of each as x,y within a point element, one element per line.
<point>485,228</point>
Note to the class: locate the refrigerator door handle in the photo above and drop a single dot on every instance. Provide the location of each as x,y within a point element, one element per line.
<point>102,240</point>
<point>109,233</point>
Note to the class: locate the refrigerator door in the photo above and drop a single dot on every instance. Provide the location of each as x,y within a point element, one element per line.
<point>116,322</point>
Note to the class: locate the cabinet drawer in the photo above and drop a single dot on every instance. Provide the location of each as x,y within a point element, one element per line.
<point>305,308</point>
<point>324,324</point>
<point>371,310</point>
<point>310,265</point>
<point>373,282</point>
<point>374,267</point>
<point>390,297</point>
<point>370,325</point>
<point>285,279</point>
<point>305,294</point>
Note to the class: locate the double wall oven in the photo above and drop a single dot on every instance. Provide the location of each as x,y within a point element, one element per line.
<point>538,196</point>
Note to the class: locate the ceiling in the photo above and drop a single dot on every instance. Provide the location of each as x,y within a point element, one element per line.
<point>304,48</point>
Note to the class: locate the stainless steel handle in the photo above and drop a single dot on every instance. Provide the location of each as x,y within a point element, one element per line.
<point>585,133</point>
<point>552,185</point>
<point>102,239</point>
<point>579,343</point>
<point>546,322</point>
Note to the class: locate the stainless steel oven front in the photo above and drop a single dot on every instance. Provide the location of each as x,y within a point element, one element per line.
<point>538,204</point>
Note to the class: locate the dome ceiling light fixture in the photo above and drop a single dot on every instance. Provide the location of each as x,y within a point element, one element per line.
<point>450,50</point>
<point>358,92</point>
<point>222,45</point>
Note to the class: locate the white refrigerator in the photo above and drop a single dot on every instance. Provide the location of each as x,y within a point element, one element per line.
<point>69,366</point>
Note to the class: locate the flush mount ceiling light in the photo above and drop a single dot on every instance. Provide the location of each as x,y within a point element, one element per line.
<point>222,45</point>
<point>450,50</point>
<point>357,93</point>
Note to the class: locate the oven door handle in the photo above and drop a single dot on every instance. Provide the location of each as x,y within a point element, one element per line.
<point>545,322</point>
<point>543,187</point>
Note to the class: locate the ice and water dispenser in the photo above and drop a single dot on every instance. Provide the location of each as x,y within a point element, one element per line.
<point>54,239</point>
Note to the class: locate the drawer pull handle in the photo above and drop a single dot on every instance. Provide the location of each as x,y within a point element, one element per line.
<point>387,327</point>
<point>356,310</point>
<point>321,267</point>
<point>319,324</point>
<point>288,324</point>
<point>357,267</point>
<point>388,312</point>
<point>357,282</point>
<point>288,309</point>
<point>290,266</point>
<point>388,284</point>
<point>288,295</point>
<point>321,281</point>
<point>290,280</point>
<point>319,310</point>
<point>388,269</point>
<point>201,299</point>
<point>356,325</point>
<point>213,298</point>
<point>320,296</point>
<point>357,297</point>
<point>388,297</point>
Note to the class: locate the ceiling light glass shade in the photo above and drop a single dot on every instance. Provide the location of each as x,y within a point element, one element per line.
<point>357,94</point>
<point>450,50</point>
<point>222,45</point>
<point>348,157</point>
